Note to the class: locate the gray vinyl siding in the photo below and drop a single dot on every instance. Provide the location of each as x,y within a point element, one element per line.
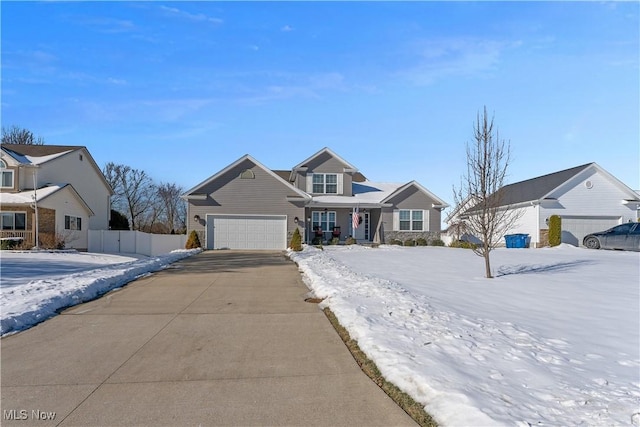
<point>229,194</point>
<point>412,198</point>
<point>325,163</point>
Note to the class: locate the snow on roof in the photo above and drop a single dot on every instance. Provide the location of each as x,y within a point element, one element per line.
<point>36,160</point>
<point>23,197</point>
<point>366,192</point>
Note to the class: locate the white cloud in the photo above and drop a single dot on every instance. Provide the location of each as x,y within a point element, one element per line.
<point>197,17</point>
<point>286,28</point>
<point>455,57</point>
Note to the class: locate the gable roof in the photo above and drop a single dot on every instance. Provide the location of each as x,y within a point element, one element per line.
<point>39,150</point>
<point>439,202</point>
<point>26,197</point>
<point>192,193</point>
<point>331,153</point>
<point>33,155</point>
<point>537,189</point>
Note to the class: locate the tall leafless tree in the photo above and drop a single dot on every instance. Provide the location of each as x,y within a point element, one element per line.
<point>488,159</point>
<point>18,135</point>
<point>134,191</point>
<point>173,205</point>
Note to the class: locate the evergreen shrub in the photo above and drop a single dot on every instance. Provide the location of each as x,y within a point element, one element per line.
<point>555,230</point>
<point>193,241</point>
<point>462,244</point>
<point>296,241</point>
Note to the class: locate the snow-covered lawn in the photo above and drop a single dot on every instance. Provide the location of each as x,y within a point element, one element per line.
<point>554,339</point>
<point>35,284</point>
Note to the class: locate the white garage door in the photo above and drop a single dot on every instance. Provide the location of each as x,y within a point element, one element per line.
<point>246,232</point>
<point>574,228</point>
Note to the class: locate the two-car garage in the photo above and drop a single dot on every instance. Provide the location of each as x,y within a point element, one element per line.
<point>246,231</point>
<point>575,228</point>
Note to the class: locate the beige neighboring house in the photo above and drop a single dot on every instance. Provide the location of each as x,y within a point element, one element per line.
<point>63,182</point>
<point>249,206</point>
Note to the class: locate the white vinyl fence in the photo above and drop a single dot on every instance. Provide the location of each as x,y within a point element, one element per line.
<point>134,242</point>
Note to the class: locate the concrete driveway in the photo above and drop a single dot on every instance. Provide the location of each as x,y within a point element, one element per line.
<point>221,338</point>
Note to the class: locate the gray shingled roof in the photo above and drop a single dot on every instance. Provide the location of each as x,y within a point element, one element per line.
<point>534,188</point>
<point>537,188</point>
<point>39,150</point>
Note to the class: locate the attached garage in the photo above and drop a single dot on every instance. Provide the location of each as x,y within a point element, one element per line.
<point>246,232</point>
<point>574,228</point>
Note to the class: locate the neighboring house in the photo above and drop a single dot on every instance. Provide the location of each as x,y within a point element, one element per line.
<point>71,194</point>
<point>248,206</point>
<point>587,198</point>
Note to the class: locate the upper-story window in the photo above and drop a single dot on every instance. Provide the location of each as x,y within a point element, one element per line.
<point>7,175</point>
<point>325,183</point>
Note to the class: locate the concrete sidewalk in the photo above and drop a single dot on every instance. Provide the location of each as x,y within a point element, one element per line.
<point>221,338</point>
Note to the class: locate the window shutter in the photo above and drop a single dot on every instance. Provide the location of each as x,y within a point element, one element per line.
<point>396,220</point>
<point>425,221</point>
<point>340,183</point>
<point>309,183</point>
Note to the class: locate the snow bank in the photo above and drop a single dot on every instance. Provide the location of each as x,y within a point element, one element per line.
<point>64,279</point>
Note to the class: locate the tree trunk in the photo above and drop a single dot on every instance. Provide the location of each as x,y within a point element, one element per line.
<point>487,265</point>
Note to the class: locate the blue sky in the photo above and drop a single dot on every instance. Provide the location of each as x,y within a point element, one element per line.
<point>182,89</point>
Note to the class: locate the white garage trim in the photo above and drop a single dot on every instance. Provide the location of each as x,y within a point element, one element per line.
<point>226,231</point>
<point>574,228</point>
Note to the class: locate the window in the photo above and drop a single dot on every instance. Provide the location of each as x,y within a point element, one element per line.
<point>72,222</point>
<point>410,220</point>
<point>325,220</point>
<point>7,175</point>
<point>247,174</point>
<point>325,183</point>
<point>14,220</point>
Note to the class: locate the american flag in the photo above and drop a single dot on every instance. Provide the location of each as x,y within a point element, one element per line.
<point>355,218</point>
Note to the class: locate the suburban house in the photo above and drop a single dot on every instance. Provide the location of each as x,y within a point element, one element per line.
<point>249,206</point>
<point>66,186</point>
<point>586,197</point>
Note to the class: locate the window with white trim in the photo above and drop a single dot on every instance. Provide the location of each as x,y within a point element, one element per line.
<point>325,183</point>
<point>13,220</point>
<point>7,175</point>
<point>410,220</point>
<point>326,220</point>
<point>72,222</point>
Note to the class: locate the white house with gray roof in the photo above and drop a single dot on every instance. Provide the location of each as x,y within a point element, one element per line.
<point>66,185</point>
<point>249,206</point>
<point>586,197</point>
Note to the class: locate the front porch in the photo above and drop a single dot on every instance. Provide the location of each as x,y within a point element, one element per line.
<point>334,224</point>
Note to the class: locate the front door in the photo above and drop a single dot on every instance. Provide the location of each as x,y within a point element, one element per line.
<point>362,232</point>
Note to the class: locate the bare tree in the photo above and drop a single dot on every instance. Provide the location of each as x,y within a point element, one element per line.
<point>173,205</point>
<point>488,158</point>
<point>134,191</point>
<point>18,135</point>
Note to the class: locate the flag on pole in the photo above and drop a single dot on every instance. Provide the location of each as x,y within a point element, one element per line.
<point>355,218</point>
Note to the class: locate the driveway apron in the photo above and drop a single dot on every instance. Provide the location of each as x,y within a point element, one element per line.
<point>220,338</point>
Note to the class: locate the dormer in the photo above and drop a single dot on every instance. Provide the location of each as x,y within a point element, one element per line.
<point>324,173</point>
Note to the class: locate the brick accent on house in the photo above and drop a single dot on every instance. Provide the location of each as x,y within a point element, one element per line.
<point>544,238</point>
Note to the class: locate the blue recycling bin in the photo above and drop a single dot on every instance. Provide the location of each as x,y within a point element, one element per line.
<point>516,240</point>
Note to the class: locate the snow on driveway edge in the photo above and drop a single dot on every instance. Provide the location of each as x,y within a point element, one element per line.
<point>42,299</point>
